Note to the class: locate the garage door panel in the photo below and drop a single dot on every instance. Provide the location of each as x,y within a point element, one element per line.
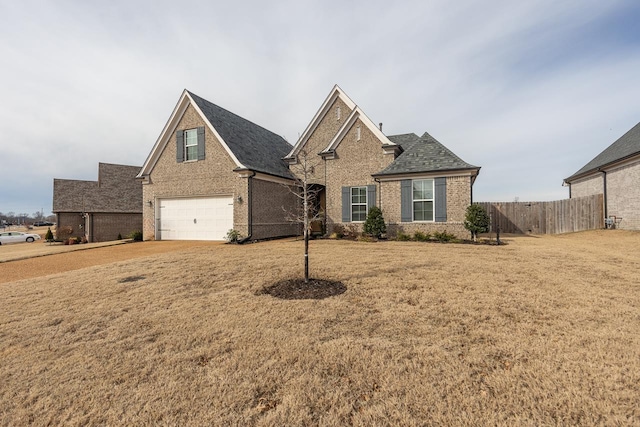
<point>207,218</point>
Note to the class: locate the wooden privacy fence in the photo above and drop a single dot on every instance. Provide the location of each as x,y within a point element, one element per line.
<point>560,216</point>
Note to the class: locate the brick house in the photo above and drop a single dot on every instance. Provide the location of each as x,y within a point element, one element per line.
<point>416,181</point>
<point>615,173</point>
<point>211,170</point>
<point>102,209</point>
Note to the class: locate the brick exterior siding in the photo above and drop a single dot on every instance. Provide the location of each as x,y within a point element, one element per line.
<point>623,192</point>
<point>272,203</point>
<point>107,226</point>
<point>458,198</point>
<point>623,195</point>
<point>210,177</point>
<point>587,186</point>
<point>355,162</point>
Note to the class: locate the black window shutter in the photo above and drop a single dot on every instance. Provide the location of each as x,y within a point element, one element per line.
<point>201,143</point>
<point>441,200</point>
<point>346,204</point>
<point>371,197</point>
<point>180,146</point>
<point>406,201</point>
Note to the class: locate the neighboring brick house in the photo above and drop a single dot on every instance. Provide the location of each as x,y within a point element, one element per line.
<point>615,173</point>
<point>100,210</point>
<point>418,183</point>
<point>211,171</point>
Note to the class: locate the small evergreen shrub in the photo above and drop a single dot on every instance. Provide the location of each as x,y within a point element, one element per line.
<point>49,236</point>
<point>119,236</point>
<point>476,220</point>
<point>402,237</point>
<point>136,236</point>
<point>419,236</point>
<point>374,224</point>
<point>443,236</point>
<point>232,236</point>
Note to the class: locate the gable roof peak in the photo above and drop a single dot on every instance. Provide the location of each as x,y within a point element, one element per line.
<point>249,145</point>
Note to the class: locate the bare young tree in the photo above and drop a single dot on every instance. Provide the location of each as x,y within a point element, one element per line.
<point>307,193</point>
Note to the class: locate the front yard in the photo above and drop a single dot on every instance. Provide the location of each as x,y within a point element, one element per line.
<point>541,331</point>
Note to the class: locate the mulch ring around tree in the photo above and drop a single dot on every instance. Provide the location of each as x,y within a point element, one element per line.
<point>298,289</point>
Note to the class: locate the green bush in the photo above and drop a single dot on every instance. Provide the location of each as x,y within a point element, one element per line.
<point>374,224</point>
<point>402,237</point>
<point>476,220</point>
<point>419,236</point>
<point>443,236</point>
<point>232,236</point>
<point>136,236</point>
<point>119,236</point>
<point>49,236</point>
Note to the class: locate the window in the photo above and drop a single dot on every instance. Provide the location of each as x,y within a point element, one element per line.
<point>190,145</point>
<point>358,204</point>
<point>423,200</point>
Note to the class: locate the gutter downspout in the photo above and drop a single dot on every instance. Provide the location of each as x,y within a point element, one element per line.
<point>604,190</point>
<point>249,208</point>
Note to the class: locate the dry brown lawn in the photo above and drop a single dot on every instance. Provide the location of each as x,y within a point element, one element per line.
<point>543,331</point>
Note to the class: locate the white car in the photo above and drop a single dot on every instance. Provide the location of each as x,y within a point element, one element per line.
<point>17,237</point>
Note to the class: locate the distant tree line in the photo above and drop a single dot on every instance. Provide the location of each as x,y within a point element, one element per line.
<point>24,218</point>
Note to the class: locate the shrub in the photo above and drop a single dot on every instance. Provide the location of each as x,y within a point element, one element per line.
<point>338,231</point>
<point>419,236</point>
<point>63,233</point>
<point>374,224</point>
<point>136,236</point>
<point>119,236</point>
<point>49,236</point>
<point>232,236</point>
<point>366,238</point>
<point>351,231</point>
<point>402,237</point>
<point>476,220</point>
<point>443,236</point>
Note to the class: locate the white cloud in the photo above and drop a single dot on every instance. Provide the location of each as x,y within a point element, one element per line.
<point>527,90</point>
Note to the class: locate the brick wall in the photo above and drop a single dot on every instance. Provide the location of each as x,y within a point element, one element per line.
<point>73,220</point>
<point>354,163</point>
<point>587,186</point>
<point>107,226</point>
<point>458,198</point>
<point>272,203</point>
<point>623,195</point>
<point>212,176</point>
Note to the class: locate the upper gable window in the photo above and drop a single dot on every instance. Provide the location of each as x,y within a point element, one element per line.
<point>190,145</point>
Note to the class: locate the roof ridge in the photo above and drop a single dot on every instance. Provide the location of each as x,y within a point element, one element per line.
<point>236,115</point>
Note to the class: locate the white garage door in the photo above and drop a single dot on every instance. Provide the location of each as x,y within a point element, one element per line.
<point>203,218</point>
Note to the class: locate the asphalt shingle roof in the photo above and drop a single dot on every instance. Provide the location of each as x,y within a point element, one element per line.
<point>423,154</point>
<point>255,147</point>
<point>625,146</point>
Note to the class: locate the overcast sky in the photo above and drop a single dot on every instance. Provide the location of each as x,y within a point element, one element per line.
<point>528,90</point>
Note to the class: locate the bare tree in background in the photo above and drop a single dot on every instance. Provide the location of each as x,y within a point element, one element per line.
<point>307,193</point>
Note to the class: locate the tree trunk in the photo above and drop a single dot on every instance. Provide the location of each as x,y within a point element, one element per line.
<point>306,235</point>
